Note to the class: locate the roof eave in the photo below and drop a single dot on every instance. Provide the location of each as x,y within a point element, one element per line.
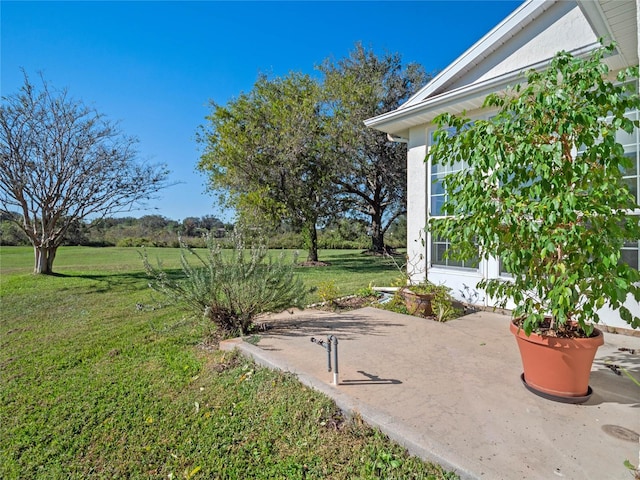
<point>399,121</point>
<point>517,20</point>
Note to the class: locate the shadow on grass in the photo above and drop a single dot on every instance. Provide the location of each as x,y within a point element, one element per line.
<point>362,263</point>
<point>117,281</point>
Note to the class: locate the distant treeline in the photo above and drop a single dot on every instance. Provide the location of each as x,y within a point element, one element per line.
<point>158,231</point>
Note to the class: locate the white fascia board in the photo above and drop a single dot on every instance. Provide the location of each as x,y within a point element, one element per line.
<point>396,121</point>
<point>506,29</point>
<point>399,120</point>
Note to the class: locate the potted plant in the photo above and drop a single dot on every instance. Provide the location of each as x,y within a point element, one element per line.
<point>427,299</point>
<point>544,193</point>
<point>419,298</point>
<point>424,298</point>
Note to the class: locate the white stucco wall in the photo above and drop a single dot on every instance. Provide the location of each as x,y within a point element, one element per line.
<point>417,177</point>
<point>562,27</point>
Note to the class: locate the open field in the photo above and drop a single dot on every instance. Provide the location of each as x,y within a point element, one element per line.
<point>349,269</point>
<point>101,380</point>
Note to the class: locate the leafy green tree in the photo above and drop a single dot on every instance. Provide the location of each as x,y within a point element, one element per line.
<point>369,170</point>
<point>61,162</point>
<point>76,234</point>
<point>10,233</point>
<point>265,151</point>
<point>544,192</point>
<point>397,232</point>
<point>153,223</point>
<point>194,226</point>
<point>211,223</point>
<point>189,227</point>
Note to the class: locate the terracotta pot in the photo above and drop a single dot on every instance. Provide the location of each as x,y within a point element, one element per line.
<point>418,303</point>
<point>557,367</point>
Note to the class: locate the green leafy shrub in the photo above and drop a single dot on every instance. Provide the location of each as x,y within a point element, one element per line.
<point>427,287</point>
<point>367,292</point>
<point>135,242</point>
<point>334,241</point>
<point>544,191</point>
<point>328,291</point>
<point>396,304</point>
<point>230,288</point>
<point>443,304</point>
<point>11,235</point>
<point>290,240</point>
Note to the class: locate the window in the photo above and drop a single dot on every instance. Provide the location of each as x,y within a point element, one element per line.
<point>437,198</point>
<point>629,254</point>
<point>439,248</point>
<point>631,178</point>
<point>438,194</point>
<point>502,270</point>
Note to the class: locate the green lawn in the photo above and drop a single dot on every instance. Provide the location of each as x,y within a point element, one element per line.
<point>351,270</point>
<point>101,380</point>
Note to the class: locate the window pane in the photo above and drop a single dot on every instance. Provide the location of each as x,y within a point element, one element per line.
<point>437,187</point>
<point>633,169</point>
<point>436,205</point>
<point>503,270</point>
<point>438,197</point>
<point>450,130</point>
<point>626,138</point>
<point>630,257</point>
<point>437,253</point>
<point>632,185</point>
<point>471,263</point>
<point>454,263</point>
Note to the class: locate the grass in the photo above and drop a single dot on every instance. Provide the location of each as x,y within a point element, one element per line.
<point>99,380</point>
<point>350,270</point>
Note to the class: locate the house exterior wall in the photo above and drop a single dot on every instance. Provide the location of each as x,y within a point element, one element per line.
<point>528,38</point>
<point>561,24</point>
<point>463,281</point>
<point>416,204</point>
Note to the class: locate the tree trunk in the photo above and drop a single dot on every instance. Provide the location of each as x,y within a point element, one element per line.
<point>44,257</point>
<point>313,243</point>
<point>377,234</point>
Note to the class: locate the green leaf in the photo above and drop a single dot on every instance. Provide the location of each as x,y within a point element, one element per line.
<point>552,217</point>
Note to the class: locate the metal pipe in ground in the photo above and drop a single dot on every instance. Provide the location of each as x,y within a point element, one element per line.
<point>331,340</point>
<point>334,340</point>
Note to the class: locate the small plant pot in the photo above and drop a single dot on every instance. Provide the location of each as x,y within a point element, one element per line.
<point>418,303</point>
<point>557,368</point>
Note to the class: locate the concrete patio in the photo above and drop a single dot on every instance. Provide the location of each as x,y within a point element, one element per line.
<point>451,392</point>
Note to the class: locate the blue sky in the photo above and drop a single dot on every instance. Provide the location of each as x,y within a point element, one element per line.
<point>154,66</point>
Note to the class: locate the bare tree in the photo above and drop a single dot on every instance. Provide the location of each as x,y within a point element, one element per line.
<point>62,161</point>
